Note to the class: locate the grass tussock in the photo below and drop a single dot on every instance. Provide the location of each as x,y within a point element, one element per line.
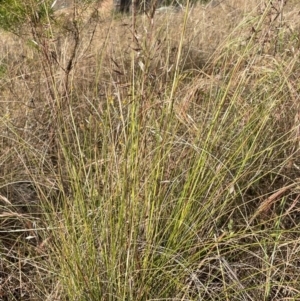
<point>154,159</point>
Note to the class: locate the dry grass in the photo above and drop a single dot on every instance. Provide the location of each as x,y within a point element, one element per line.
<point>160,163</point>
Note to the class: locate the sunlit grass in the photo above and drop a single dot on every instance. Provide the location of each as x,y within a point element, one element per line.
<point>152,170</point>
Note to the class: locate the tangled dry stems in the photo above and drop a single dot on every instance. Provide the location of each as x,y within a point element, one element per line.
<point>68,125</point>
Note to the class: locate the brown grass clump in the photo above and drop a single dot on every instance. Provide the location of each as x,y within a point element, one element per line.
<point>153,156</point>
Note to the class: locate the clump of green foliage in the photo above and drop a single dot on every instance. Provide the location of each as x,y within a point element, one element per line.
<point>15,14</point>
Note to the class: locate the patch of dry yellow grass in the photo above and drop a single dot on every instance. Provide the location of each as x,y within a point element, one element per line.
<point>104,8</point>
<point>101,75</point>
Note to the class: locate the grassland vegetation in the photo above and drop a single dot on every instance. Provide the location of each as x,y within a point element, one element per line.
<point>151,159</point>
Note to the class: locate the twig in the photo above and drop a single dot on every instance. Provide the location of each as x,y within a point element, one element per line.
<point>267,203</point>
